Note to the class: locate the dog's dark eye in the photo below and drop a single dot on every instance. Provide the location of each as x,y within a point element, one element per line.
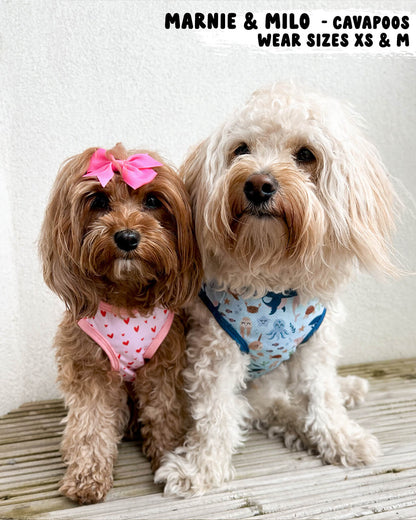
<point>243,149</point>
<point>152,202</point>
<point>99,202</point>
<point>304,155</point>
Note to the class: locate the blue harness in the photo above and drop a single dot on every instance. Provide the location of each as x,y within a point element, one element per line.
<point>268,328</point>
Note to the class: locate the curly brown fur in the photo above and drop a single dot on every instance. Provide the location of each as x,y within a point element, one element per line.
<point>84,266</point>
<point>162,400</point>
<point>97,414</point>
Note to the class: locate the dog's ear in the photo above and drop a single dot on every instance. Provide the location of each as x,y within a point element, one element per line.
<point>191,172</point>
<point>61,238</point>
<point>184,284</point>
<point>194,172</point>
<point>359,199</point>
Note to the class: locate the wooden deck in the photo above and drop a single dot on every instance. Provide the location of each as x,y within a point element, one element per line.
<point>271,481</point>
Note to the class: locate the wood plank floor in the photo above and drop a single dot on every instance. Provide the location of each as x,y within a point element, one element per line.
<point>271,481</point>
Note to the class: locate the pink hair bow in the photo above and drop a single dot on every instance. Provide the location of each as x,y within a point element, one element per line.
<point>135,170</point>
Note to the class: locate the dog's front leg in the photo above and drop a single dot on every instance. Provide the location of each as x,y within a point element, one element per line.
<point>96,418</point>
<point>318,416</point>
<point>214,379</point>
<point>97,415</point>
<point>162,400</point>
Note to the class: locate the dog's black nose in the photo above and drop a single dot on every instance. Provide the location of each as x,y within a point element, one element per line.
<point>127,239</point>
<point>260,188</point>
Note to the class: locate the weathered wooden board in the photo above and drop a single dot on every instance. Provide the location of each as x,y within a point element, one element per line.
<point>271,481</point>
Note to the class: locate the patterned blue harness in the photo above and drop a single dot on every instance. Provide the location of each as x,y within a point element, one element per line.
<point>268,328</point>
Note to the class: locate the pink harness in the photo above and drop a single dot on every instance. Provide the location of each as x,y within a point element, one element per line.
<point>127,340</point>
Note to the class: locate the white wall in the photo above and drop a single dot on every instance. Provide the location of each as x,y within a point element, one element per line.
<point>89,73</point>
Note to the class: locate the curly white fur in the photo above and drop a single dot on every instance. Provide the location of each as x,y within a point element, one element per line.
<point>329,214</point>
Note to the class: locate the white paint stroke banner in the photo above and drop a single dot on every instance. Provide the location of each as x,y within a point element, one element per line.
<point>296,31</point>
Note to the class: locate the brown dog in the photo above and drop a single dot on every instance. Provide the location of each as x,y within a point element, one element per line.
<point>133,251</point>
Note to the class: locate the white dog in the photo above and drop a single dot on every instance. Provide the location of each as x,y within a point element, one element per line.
<point>288,199</point>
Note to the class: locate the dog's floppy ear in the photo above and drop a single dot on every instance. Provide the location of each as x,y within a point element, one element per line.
<point>61,238</point>
<point>359,199</point>
<point>184,284</point>
<point>191,171</point>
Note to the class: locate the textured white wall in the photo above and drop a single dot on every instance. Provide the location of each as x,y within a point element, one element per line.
<point>86,73</point>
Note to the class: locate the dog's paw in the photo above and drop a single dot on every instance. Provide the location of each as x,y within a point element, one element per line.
<point>179,479</point>
<point>353,390</point>
<point>85,489</point>
<point>184,474</point>
<point>291,439</point>
<point>350,445</point>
